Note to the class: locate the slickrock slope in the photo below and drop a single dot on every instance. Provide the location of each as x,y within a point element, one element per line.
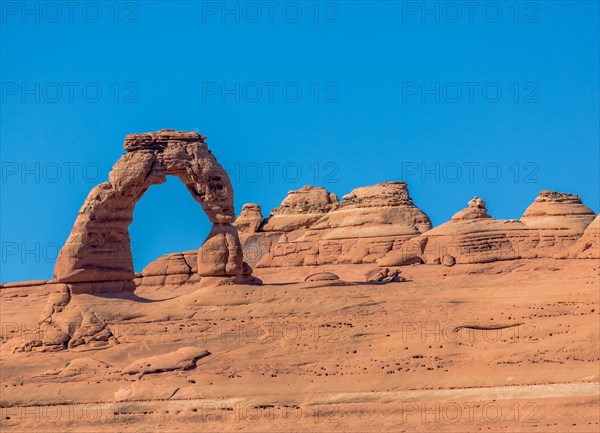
<point>588,246</point>
<point>503,346</point>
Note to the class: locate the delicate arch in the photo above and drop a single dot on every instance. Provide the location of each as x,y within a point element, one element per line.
<point>98,248</point>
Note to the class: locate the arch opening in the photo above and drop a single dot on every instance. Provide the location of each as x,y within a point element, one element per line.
<point>166,221</point>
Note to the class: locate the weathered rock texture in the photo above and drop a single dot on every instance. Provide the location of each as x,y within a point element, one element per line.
<point>300,209</point>
<point>475,210</point>
<point>313,227</point>
<point>250,218</point>
<point>381,224</point>
<point>221,253</point>
<point>171,271</point>
<point>558,210</point>
<point>548,228</point>
<point>98,248</point>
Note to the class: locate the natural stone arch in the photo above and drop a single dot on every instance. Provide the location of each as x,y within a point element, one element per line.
<point>98,248</point>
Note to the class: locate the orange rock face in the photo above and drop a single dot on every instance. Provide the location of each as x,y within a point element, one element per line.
<point>555,209</point>
<point>300,209</point>
<point>588,246</point>
<point>250,218</point>
<point>313,227</point>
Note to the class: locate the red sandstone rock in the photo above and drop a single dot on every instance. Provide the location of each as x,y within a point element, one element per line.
<point>221,253</point>
<point>175,263</point>
<point>475,210</point>
<point>300,209</point>
<point>250,218</point>
<point>588,246</point>
<point>365,226</point>
<point>558,210</point>
<point>98,248</point>
<point>550,226</point>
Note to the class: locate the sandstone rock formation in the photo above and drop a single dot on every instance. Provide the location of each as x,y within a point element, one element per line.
<point>250,218</point>
<point>313,227</point>
<point>98,248</point>
<point>475,210</point>
<point>322,276</point>
<point>556,209</point>
<point>548,228</point>
<point>221,253</point>
<point>588,246</point>
<point>171,270</point>
<point>300,209</point>
<point>381,224</point>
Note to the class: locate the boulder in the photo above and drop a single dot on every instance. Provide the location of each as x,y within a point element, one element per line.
<point>250,218</point>
<point>300,209</point>
<point>322,276</point>
<point>448,260</point>
<point>476,209</point>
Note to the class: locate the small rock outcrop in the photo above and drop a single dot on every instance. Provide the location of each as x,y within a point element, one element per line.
<point>183,358</point>
<point>475,210</point>
<point>558,210</point>
<point>250,219</point>
<point>300,209</point>
<point>98,248</point>
<point>322,276</point>
<point>171,270</point>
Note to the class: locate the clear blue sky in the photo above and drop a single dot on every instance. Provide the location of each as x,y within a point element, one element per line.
<point>369,74</point>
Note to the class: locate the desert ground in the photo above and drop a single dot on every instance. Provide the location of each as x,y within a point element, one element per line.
<point>291,355</point>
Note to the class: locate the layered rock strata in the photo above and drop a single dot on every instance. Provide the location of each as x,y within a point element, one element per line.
<point>548,228</point>
<point>381,224</point>
<point>313,227</point>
